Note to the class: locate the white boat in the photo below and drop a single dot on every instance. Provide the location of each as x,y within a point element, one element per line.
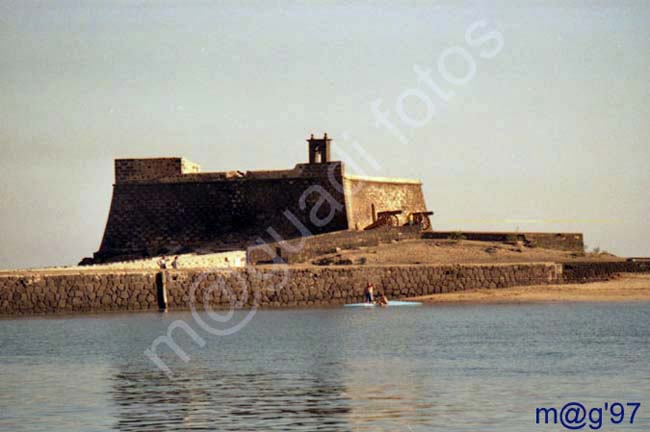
<point>390,303</point>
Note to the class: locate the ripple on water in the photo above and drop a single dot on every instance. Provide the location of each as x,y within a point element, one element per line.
<point>461,368</point>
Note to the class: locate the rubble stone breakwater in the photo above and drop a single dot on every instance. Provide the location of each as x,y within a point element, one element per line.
<point>23,293</point>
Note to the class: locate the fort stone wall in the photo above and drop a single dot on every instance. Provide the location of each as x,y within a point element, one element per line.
<point>130,170</point>
<point>560,241</point>
<point>235,258</point>
<point>366,195</point>
<point>152,217</point>
<point>303,249</point>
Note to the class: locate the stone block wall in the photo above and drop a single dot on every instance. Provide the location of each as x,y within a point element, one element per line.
<point>364,194</point>
<point>304,249</point>
<point>594,271</point>
<point>559,241</point>
<point>77,292</point>
<point>135,170</point>
<point>339,285</point>
<point>148,217</point>
<point>274,286</point>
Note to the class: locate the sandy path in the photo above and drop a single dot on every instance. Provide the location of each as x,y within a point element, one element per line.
<point>628,287</point>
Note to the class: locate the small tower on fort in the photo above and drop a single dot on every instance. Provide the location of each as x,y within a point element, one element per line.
<point>319,149</point>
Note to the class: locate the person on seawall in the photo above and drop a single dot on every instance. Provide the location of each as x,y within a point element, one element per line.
<point>368,294</point>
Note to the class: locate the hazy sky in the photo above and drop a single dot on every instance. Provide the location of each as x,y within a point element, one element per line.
<point>549,134</point>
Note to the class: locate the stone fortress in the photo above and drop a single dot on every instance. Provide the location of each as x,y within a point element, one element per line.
<point>167,205</point>
<point>233,227</point>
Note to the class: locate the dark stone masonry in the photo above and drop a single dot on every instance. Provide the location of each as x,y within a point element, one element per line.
<point>588,272</point>
<point>301,287</point>
<point>558,241</point>
<point>303,249</point>
<point>274,286</point>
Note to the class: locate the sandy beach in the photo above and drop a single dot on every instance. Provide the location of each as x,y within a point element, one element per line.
<point>626,288</point>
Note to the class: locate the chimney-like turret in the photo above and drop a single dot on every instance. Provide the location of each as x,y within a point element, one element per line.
<point>319,149</point>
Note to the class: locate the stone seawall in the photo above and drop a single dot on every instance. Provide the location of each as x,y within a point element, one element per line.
<point>313,286</point>
<point>587,271</point>
<point>272,286</point>
<point>268,286</point>
<point>77,292</point>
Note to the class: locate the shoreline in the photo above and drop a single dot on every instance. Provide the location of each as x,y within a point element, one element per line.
<point>624,288</point>
<point>314,286</point>
<point>627,287</point>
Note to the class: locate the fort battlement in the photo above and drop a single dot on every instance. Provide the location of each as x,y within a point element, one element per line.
<point>149,169</point>
<point>179,169</point>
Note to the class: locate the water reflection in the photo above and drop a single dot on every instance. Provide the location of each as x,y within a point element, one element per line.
<point>220,400</point>
<point>445,368</point>
<point>360,395</point>
<point>386,394</point>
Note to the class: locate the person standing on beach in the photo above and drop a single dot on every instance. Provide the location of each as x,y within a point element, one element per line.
<point>175,263</point>
<point>369,293</point>
<point>162,263</point>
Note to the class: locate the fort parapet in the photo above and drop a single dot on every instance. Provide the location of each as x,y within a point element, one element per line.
<point>152,169</point>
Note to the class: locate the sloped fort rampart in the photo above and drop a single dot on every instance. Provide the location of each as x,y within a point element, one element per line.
<point>164,204</point>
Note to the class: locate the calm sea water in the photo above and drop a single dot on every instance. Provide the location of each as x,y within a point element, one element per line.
<point>453,368</point>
